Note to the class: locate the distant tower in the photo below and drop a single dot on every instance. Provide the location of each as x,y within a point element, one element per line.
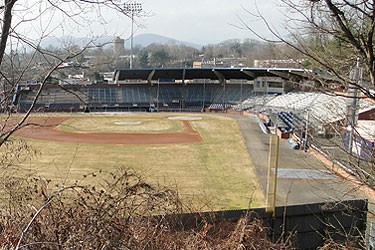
<point>118,46</point>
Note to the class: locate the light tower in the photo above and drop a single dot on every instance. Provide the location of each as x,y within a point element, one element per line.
<point>133,8</point>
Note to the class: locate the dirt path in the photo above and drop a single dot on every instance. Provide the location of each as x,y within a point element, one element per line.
<point>48,131</point>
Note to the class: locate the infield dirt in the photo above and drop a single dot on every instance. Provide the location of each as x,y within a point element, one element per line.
<point>49,131</point>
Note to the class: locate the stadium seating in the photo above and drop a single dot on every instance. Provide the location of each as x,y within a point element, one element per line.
<point>322,108</point>
<point>102,95</point>
<point>194,94</point>
<point>54,99</point>
<point>168,94</point>
<point>136,95</point>
<point>127,97</point>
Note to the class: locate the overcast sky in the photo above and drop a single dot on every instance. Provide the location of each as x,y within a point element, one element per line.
<point>199,21</point>
<point>196,21</point>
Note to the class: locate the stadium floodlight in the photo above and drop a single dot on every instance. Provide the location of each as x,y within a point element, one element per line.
<point>134,9</point>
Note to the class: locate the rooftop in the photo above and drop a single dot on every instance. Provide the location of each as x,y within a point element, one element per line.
<point>366,129</point>
<point>323,108</point>
<point>208,73</point>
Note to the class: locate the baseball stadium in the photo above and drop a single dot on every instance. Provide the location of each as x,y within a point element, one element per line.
<point>183,128</point>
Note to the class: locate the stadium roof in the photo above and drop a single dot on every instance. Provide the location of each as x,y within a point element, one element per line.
<point>366,129</point>
<point>323,108</point>
<point>208,73</point>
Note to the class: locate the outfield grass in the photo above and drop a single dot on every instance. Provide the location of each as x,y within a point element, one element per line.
<point>217,170</point>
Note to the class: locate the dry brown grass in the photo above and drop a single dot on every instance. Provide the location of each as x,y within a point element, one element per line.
<point>217,172</point>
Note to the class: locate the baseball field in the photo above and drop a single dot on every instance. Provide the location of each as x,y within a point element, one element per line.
<point>203,156</point>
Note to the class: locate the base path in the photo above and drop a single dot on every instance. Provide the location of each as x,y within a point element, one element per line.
<point>47,130</point>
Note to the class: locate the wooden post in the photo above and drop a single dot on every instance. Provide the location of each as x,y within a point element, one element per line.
<point>273,161</point>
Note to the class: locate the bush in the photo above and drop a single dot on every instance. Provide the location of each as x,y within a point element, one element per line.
<point>117,214</point>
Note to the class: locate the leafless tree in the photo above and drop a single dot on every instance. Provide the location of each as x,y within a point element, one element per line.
<point>331,34</point>
<point>24,26</point>
<point>334,36</point>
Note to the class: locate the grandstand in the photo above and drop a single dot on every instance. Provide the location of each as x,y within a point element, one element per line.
<point>323,108</point>
<point>52,98</point>
<point>298,110</point>
<point>162,97</point>
<point>152,90</point>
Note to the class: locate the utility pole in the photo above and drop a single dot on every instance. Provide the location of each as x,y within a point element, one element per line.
<point>134,9</point>
<point>353,106</point>
<point>306,130</point>
<point>157,96</point>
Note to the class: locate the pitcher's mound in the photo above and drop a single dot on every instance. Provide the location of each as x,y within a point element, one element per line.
<point>185,118</point>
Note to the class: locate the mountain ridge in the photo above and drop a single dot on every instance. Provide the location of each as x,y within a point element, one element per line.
<point>142,40</point>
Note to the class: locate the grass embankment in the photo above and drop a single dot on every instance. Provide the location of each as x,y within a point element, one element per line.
<point>218,170</point>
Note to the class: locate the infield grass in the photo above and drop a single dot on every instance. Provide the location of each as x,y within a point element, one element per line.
<point>110,124</point>
<point>217,171</point>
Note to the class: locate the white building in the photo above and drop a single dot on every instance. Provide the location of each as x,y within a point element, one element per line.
<point>268,85</point>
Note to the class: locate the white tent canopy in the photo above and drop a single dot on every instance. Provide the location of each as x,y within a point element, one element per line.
<point>323,108</point>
